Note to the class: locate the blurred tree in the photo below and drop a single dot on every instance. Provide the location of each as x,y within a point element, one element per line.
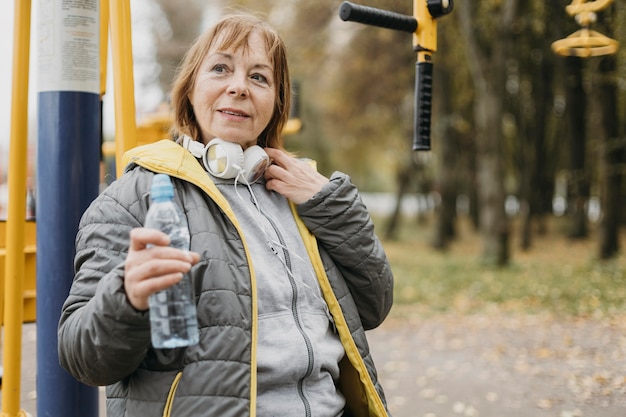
<point>578,171</point>
<point>498,122</point>
<point>487,30</point>
<point>452,115</point>
<point>612,145</point>
<point>620,32</point>
<point>613,155</point>
<point>530,74</point>
<point>448,152</point>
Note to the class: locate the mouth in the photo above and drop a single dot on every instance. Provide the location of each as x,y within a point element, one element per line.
<point>232,112</point>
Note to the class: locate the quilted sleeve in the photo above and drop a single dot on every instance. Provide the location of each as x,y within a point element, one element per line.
<point>341,223</point>
<point>101,337</point>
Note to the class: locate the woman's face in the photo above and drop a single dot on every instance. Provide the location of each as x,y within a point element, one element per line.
<point>234,93</point>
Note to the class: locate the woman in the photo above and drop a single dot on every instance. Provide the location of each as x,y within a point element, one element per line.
<point>287,271</point>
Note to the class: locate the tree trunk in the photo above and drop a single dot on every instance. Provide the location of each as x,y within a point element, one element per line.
<point>541,177</point>
<point>578,180</point>
<point>445,228</point>
<point>448,155</point>
<point>493,220</point>
<point>487,66</point>
<point>473,192</point>
<point>405,174</point>
<point>612,156</point>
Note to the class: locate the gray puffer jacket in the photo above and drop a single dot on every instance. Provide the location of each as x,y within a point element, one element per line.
<point>103,340</point>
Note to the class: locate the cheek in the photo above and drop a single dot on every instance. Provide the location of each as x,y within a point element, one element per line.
<point>201,94</point>
<point>270,108</point>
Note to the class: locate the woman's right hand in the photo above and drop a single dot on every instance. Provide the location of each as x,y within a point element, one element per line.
<point>153,266</point>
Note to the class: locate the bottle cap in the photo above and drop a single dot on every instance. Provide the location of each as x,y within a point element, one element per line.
<point>161,187</point>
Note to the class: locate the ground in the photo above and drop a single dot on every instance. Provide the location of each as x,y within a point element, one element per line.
<point>490,364</point>
<point>497,364</point>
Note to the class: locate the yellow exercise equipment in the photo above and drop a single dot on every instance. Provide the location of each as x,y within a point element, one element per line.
<point>585,42</point>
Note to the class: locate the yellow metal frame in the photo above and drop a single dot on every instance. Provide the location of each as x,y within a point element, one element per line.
<point>14,265</point>
<point>18,236</point>
<point>425,37</point>
<point>29,305</point>
<point>586,43</point>
<point>582,6</point>
<point>124,84</point>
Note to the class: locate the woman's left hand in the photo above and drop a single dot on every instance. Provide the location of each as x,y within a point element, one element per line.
<point>291,177</point>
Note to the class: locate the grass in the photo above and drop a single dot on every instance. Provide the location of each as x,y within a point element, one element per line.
<point>556,275</point>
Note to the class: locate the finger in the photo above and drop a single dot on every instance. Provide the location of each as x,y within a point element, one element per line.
<point>160,283</point>
<point>139,292</point>
<point>278,157</point>
<point>157,241</point>
<point>148,257</point>
<point>141,237</point>
<point>156,266</point>
<point>276,172</point>
<point>195,257</point>
<point>155,274</point>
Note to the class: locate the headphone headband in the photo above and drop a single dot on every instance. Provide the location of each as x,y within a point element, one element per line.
<point>225,159</point>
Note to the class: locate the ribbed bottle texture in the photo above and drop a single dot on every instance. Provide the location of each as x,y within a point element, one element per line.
<point>173,320</point>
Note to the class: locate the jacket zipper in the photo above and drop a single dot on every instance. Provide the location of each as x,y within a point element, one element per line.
<point>294,310</point>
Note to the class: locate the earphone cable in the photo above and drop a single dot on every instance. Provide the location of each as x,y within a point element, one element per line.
<point>273,244</point>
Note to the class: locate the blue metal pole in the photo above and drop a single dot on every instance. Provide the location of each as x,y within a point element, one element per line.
<point>68,157</point>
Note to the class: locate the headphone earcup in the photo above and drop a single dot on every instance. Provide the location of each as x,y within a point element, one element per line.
<point>255,163</point>
<point>225,159</point>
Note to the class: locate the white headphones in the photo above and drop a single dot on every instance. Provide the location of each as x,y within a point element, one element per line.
<point>226,159</point>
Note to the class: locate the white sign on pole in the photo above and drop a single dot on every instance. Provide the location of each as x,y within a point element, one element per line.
<point>68,55</point>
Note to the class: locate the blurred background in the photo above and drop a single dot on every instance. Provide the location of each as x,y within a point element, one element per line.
<point>506,239</point>
<point>518,131</point>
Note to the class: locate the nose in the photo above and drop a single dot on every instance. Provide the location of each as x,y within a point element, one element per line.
<point>238,86</point>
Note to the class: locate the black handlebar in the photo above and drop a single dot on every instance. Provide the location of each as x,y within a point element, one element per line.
<point>423,105</point>
<point>424,67</point>
<point>377,17</point>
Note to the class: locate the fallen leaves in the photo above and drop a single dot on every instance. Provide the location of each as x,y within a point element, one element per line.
<point>500,363</point>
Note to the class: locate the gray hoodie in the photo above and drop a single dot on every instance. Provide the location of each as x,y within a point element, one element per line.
<point>298,347</point>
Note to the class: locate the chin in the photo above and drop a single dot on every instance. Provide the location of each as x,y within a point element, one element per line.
<point>243,142</point>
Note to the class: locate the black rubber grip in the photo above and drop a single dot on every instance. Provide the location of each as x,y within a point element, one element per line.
<point>377,17</point>
<point>423,105</point>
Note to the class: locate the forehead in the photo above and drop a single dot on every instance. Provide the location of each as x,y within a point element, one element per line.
<point>250,43</point>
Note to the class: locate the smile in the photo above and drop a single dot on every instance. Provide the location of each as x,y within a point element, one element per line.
<point>233,113</point>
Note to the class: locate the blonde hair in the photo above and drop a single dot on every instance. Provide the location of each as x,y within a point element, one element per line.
<point>233,31</point>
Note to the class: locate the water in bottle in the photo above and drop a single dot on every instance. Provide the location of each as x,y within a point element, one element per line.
<point>173,321</point>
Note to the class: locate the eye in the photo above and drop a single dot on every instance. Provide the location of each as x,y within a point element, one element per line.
<point>219,68</point>
<point>259,78</point>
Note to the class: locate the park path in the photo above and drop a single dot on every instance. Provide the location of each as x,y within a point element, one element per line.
<point>492,364</point>
<point>497,364</point>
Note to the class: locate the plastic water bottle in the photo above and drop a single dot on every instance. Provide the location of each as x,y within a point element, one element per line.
<point>173,321</point>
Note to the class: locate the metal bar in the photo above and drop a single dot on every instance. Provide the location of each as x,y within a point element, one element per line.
<point>14,261</point>
<point>377,17</point>
<point>124,86</point>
